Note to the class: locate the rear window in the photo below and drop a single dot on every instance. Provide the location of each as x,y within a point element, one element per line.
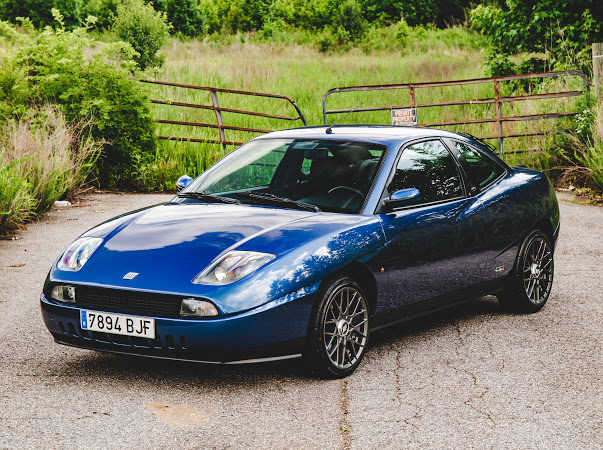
<point>483,170</point>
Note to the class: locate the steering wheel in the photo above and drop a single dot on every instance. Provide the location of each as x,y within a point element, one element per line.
<point>348,188</point>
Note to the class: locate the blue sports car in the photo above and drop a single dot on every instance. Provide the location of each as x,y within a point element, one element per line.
<point>302,242</point>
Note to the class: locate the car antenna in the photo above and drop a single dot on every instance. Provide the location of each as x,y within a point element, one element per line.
<point>330,129</point>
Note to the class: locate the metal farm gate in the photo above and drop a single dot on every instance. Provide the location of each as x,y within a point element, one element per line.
<point>219,124</point>
<point>500,120</point>
<point>408,113</point>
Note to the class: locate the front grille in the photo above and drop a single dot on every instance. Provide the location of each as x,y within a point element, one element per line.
<point>114,300</point>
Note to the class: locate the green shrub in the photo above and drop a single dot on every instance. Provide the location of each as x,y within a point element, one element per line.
<point>403,32</point>
<point>40,11</point>
<point>103,10</point>
<point>145,29</point>
<point>326,41</point>
<point>589,150</point>
<point>184,16</point>
<point>52,67</point>
<point>499,65</point>
<point>349,21</point>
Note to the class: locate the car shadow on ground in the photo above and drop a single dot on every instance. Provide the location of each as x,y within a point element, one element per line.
<point>135,369</point>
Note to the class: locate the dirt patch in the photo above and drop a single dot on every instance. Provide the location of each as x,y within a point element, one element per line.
<point>177,415</point>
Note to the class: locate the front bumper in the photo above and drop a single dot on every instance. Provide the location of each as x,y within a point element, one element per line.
<point>276,329</point>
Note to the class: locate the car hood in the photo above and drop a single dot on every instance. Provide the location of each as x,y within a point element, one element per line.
<point>168,245</point>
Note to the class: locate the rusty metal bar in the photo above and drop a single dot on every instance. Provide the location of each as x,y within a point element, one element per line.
<point>411,92</point>
<point>214,89</point>
<point>214,126</point>
<point>502,119</point>
<point>499,127</point>
<point>534,133</point>
<point>230,110</point>
<point>541,96</point>
<point>207,141</point>
<point>478,101</point>
<point>216,104</point>
<point>457,82</point>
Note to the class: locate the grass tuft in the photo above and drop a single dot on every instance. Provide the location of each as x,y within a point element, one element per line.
<point>41,160</point>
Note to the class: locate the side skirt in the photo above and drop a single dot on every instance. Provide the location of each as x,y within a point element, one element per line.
<point>425,307</point>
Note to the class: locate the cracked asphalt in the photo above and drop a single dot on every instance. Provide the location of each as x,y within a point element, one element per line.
<point>470,377</point>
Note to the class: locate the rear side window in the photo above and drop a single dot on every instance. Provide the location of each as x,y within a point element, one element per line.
<point>430,168</point>
<point>483,169</point>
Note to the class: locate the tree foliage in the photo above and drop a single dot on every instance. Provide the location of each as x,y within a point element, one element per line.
<point>561,32</point>
<point>39,12</point>
<point>145,29</point>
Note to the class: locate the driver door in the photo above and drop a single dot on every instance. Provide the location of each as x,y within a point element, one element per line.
<point>436,245</point>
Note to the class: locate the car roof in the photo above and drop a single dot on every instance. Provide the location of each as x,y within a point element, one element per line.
<point>382,134</point>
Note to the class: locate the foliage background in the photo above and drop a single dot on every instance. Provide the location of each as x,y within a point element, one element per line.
<point>81,64</point>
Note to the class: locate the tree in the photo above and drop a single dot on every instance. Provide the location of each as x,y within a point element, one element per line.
<point>561,31</point>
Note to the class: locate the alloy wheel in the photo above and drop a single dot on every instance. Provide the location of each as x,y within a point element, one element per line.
<point>345,327</point>
<point>538,270</point>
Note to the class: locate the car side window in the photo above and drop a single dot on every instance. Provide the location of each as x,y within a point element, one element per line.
<point>483,169</point>
<point>429,167</point>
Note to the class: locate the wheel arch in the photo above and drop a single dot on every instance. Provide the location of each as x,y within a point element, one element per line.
<point>545,226</point>
<point>365,278</point>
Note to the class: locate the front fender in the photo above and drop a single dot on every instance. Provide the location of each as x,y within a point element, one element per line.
<point>307,254</point>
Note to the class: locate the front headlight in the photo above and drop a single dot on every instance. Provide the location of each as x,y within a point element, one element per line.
<point>62,293</point>
<point>232,267</point>
<point>76,255</point>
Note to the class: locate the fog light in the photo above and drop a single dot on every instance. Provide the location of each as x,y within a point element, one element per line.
<point>65,294</point>
<point>197,308</point>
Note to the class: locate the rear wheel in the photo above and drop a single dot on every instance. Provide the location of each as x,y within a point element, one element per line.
<point>338,331</point>
<point>528,289</point>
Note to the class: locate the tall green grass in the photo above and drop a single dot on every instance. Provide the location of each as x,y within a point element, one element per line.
<point>41,161</point>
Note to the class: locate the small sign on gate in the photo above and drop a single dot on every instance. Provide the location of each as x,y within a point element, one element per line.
<point>404,116</point>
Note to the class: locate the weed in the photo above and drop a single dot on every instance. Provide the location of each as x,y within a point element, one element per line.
<point>41,161</point>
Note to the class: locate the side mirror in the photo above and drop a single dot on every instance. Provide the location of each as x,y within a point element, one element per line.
<point>183,182</point>
<point>400,198</point>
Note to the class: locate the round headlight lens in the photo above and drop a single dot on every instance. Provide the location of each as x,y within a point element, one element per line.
<point>76,255</point>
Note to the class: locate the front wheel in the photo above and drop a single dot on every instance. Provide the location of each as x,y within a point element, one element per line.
<point>528,289</point>
<point>338,331</point>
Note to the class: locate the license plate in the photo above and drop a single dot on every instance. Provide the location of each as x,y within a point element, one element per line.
<point>117,324</point>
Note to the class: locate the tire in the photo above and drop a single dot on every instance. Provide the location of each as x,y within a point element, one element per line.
<point>338,330</point>
<point>529,286</point>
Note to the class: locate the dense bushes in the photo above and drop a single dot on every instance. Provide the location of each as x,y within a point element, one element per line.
<point>559,32</point>
<point>52,67</point>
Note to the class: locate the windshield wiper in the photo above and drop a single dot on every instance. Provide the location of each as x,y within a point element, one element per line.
<point>276,199</point>
<point>208,197</point>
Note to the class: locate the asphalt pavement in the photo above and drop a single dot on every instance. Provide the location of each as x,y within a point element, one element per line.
<point>470,377</point>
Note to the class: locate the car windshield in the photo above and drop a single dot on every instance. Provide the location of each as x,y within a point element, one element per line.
<point>327,175</point>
